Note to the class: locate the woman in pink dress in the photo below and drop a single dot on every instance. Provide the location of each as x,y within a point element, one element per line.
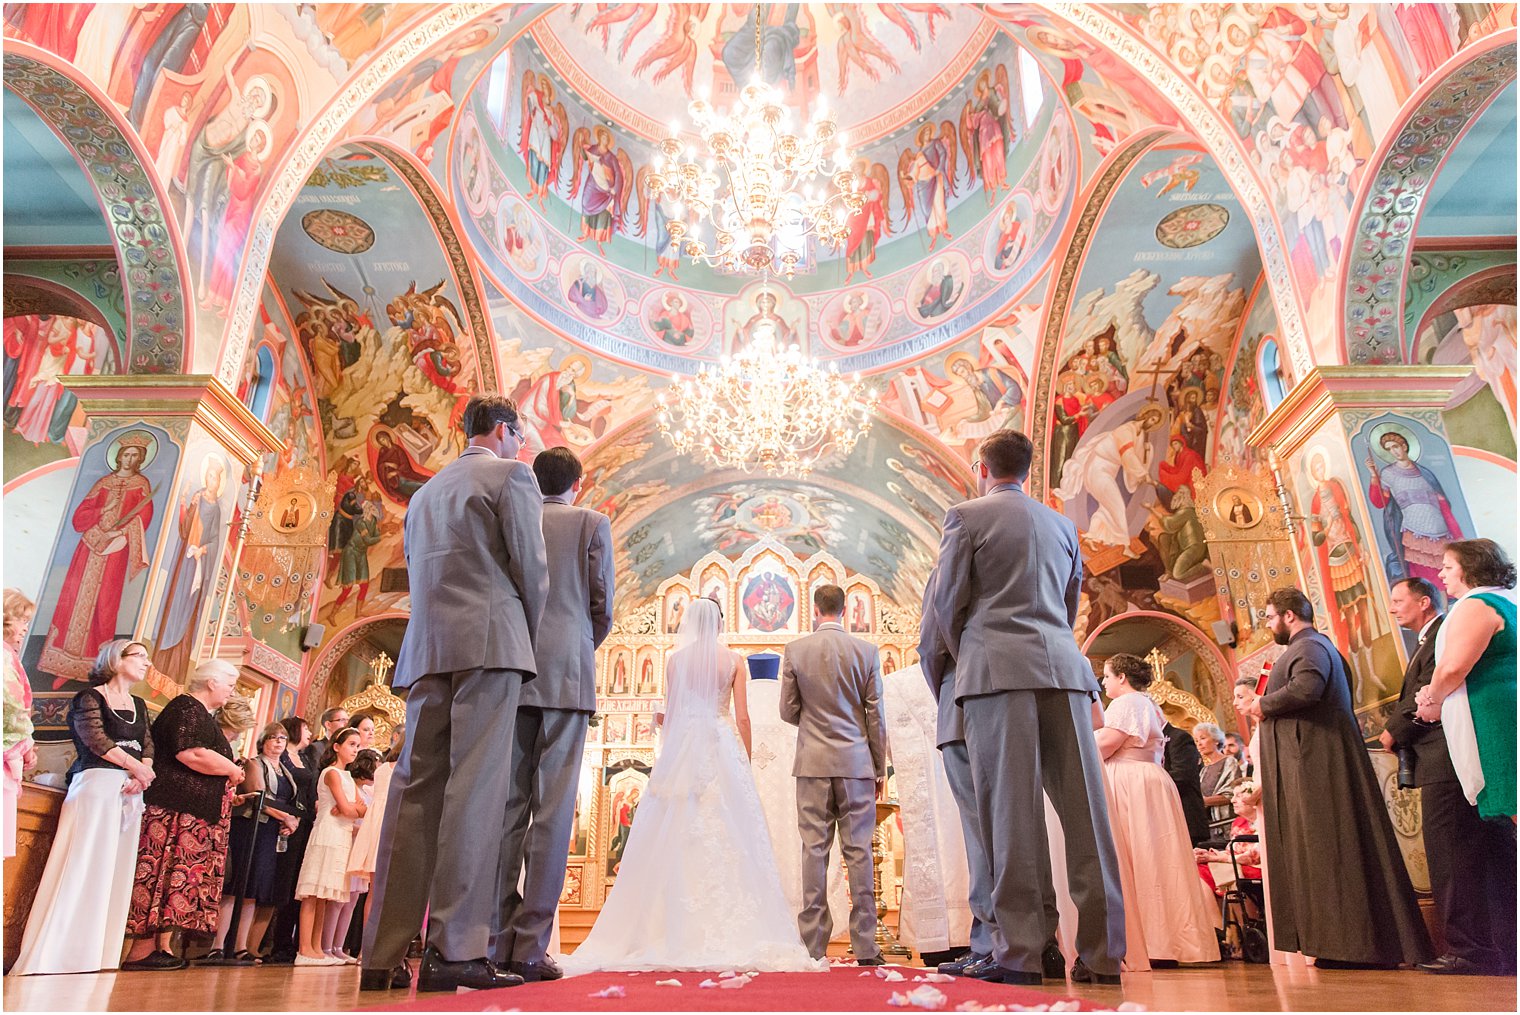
<point>1169,912</point>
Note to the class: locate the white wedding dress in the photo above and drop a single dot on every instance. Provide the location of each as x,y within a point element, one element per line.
<point>698,887</point>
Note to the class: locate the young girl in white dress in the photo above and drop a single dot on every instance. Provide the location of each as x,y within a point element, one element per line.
<point>698,888</point>
<point>1169,911</point>
<point>323,880</point>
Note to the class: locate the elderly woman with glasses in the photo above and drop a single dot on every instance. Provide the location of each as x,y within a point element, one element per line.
<point>182,853</point>
<point>79,917</point>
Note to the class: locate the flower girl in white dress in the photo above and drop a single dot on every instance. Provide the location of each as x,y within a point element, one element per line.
<point>698,887</point>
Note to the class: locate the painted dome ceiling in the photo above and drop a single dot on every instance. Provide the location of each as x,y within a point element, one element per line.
<point>970,154</point>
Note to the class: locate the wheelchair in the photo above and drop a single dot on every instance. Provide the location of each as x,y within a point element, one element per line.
<point>1241,899</point>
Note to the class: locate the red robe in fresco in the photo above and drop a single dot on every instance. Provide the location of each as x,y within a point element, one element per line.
<point>93,587</point>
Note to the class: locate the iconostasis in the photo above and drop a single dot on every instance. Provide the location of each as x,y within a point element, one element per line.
<point>766,595</point>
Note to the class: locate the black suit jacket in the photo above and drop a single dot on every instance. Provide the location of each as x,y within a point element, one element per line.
<point>1432,759</point>
<point>1185,766</point>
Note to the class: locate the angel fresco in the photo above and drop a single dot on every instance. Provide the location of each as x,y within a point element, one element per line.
<point>602,181</point>
<point>857,45</point>
<point>987,131</point>
<point>424,318</point>
<point>667,209</point>
<point>926,176</point>
<point>869,223</point>
<point>545,127</point>
<point>332,332</point>
<point>676,50</point>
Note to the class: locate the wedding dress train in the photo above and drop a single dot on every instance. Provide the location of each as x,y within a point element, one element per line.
<point>698,887</point>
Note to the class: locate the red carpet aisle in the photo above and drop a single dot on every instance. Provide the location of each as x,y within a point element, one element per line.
<point>843,988</point>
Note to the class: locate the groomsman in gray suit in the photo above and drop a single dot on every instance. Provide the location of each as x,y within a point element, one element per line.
<point>1004,600</point>
<point>831,691</point>
<point>478,580</point>
<point>986,939</point>
<point>552,717</point>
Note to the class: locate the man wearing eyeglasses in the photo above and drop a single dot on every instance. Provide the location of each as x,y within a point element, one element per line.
<point>478,577</point>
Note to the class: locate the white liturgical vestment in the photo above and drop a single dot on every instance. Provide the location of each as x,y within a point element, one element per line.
<point>935,914</point>
<point>773,749</point>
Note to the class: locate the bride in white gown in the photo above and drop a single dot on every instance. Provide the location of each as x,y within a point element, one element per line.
<point>698,887</point>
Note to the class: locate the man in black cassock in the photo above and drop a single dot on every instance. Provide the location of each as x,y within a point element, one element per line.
<point>1339,889</point>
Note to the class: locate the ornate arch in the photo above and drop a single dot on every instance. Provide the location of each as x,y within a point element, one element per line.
<point>1393,197</point>
<point>146,238</point>
<point>1219,667</point>
<point>446,221</point>
<point>328,657</point>
<point>321,135</point>
<point>1080,234</point>
<point>25,294</point>
<point>1493,285</point>
<point>1222,143</point>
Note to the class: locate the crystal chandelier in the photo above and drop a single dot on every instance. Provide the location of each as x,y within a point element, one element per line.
<point>767,405</point>
<point>758,191</point>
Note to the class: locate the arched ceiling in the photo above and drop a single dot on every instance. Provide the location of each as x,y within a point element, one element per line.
<point>1161,177</point>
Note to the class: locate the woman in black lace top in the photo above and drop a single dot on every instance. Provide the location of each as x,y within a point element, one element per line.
<point>74,928</point>
<point>182,852</point>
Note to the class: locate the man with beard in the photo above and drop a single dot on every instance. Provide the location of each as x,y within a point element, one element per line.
<point>1339,890</point>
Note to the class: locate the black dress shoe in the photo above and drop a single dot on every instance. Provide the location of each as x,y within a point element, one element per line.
<point>1345,964</point>
<point>876,960</point>
<point>1164,964</point>
<point>1052,962</point>
<point>980,969</point>
<point>1081,974</point>
<point>1016,977</point>
<point>1452,965</point>
<point>535,972</point>
<point>437,973</point>
<point>958,967</point>
<point>398,978</point>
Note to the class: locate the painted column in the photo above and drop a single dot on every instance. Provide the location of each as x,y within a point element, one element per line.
<point>145,533</point>
<point>1373,489</point>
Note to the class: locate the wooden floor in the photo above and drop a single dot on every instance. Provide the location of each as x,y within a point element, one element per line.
<point>1229,986</point>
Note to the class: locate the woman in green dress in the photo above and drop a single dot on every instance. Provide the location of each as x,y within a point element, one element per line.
<point>1473,690</point>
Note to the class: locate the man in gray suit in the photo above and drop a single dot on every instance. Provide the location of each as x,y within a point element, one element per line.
<point>552,717</point>
<point>986,939</point>
<point>478,579</point>
<point>1004,600</point>
<point>831,691</point>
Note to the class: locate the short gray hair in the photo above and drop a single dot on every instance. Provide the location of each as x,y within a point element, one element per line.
<point>211,669</point>
<point>1213,731</point>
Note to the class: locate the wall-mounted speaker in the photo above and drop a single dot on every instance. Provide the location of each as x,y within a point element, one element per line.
<point>312,637</point>
<point>1224,632</point>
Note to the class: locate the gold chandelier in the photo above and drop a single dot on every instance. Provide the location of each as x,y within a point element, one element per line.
<point>767,405</point>
<point>758,191</point>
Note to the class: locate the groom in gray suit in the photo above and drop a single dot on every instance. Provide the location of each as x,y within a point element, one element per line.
<point>552,717</point>
<point>1004,599</point>
<point>475,564</point>
<point>831,691</point>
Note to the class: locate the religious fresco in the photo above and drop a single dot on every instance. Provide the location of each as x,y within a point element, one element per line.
<point>1319,87</point>
<point>1137,377</point>
<point>1337,541</point>
<point>199,519</point>
<point>395,350</point>
<point>1252,387</point>
<point>565,227</point>
<point>975,388</point>
<point>100,567</point>
<point>880,509</point>
<point>1410,481</point>
<point>41,350</point>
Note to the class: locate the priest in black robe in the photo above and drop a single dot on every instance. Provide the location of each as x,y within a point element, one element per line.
<point>1339,889</point>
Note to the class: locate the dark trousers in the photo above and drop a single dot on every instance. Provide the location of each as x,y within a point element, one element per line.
<point>1472,875</point>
